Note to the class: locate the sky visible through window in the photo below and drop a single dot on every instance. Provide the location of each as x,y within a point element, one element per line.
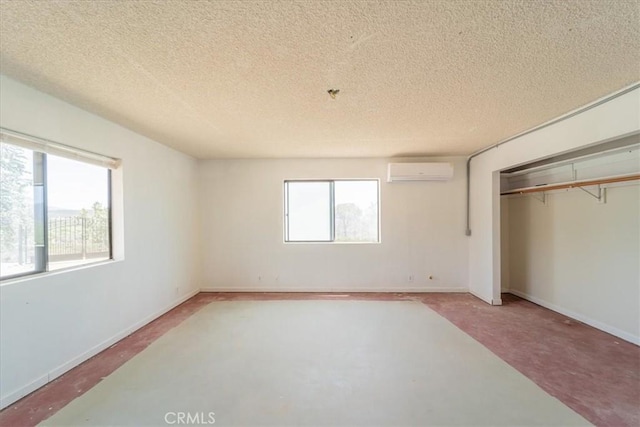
<point>74,185</point>
<point>360,193</point>
<point>309,211</point>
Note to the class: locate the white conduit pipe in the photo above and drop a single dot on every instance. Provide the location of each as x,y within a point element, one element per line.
<point>541,126</point>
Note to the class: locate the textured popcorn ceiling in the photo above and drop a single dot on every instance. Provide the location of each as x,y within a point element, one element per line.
<point>250,79</point>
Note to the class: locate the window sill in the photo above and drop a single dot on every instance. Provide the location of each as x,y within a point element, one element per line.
<point>331,243</point>
<point>28,277</point>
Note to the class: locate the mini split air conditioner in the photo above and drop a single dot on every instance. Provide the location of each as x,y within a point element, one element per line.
<point>419,172</point>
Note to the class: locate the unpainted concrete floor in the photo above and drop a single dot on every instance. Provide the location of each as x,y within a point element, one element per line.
<point>594,373</point>
<point>317,363</point>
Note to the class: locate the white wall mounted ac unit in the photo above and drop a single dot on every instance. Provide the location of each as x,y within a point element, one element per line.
<point>419,172</point>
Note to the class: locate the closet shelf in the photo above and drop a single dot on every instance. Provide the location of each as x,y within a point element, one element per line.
<point>573,184</point>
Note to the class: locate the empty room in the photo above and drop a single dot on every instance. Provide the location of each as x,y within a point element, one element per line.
<point>320,213</point>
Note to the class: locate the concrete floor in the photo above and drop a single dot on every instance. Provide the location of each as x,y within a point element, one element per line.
<point>317,363</point>
<point>594,373</point>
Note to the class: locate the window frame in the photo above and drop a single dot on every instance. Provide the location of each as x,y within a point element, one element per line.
<point>332,210</point>
<point>40,178</point>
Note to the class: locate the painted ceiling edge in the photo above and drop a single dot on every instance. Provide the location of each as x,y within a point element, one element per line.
<point>559,119</point>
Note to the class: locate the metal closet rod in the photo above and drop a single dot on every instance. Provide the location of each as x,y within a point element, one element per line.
<point>574,184</point>
<point>541,126</point>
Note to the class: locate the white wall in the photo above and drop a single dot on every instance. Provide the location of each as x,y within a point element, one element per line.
<point>616,118</point>
<point>579,257</point>
<point>242,233</point>
<point>505,254</point>
<point>52,322</point>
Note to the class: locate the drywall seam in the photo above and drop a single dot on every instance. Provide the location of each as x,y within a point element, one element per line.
<point>579,317</point>
<point>334,290</point>
<point>56,372</point>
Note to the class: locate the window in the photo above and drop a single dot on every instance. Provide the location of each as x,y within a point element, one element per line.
<point>20,204</point>
<point>55,209</point>
<point>77,213</point>
<point>332,211</point>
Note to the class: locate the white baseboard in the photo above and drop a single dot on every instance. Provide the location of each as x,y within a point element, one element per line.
<point>579,317</point>
<point>23,391</point>
<point>56,372</point>
<point>336,290</point>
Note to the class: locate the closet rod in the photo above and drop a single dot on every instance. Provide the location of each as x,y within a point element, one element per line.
<point>573,184</point>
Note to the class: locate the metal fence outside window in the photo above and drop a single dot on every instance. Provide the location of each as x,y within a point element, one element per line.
<point>78,237</point>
